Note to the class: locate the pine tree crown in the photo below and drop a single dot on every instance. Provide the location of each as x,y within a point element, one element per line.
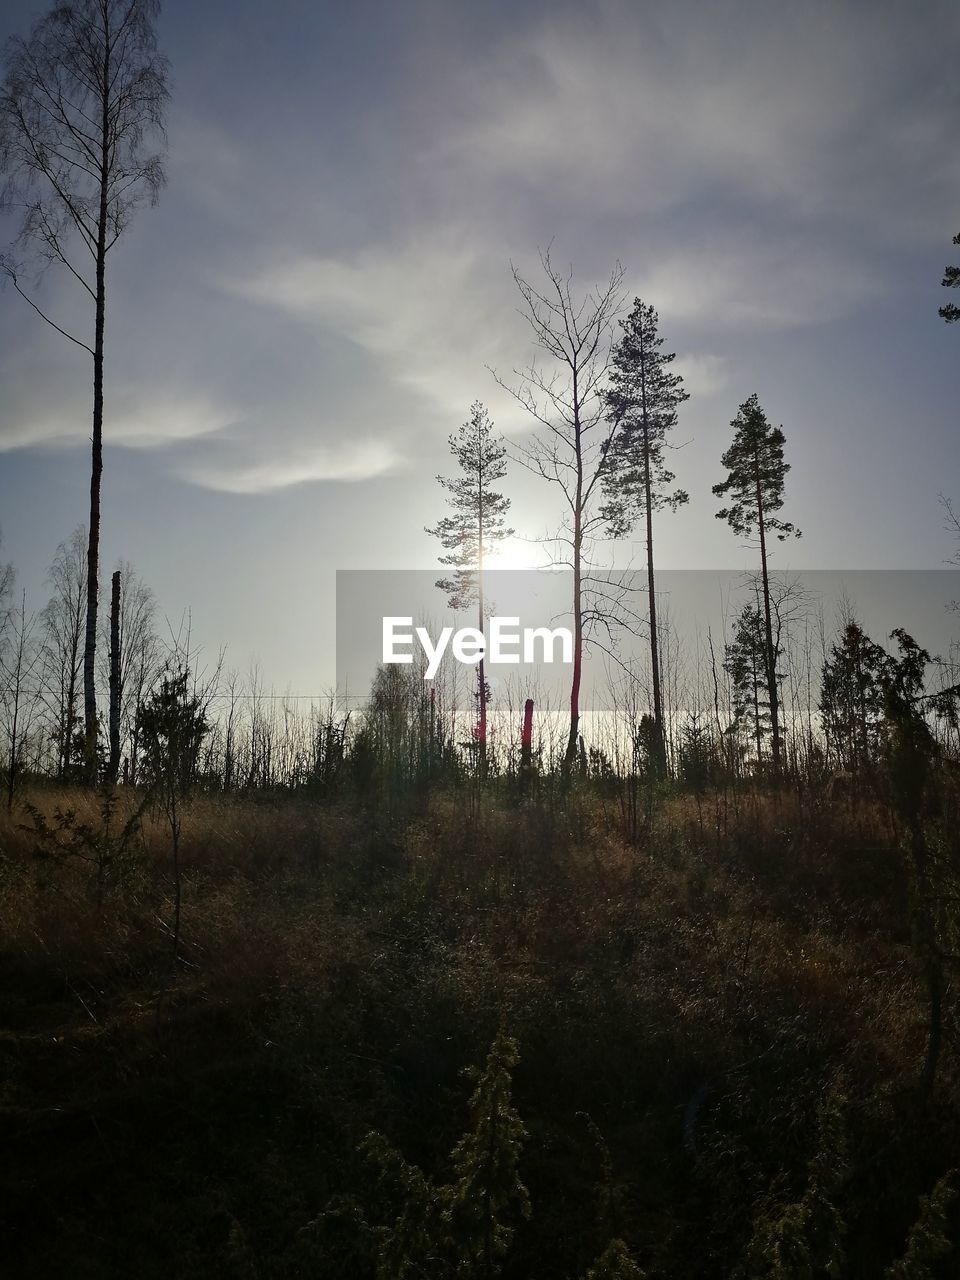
<point>756,473</point>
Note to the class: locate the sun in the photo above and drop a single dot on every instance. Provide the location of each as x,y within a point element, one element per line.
<point>514,553</point>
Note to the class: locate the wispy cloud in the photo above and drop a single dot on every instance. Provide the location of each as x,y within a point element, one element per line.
<point>140,421</point>
<point>730,281</point>
<point>434,312</point>
<point>750,165</point>
<point>704,374</point>
<point>51,417</point>
<point>814,112</point>
<point>725,174</point>
<point>345,464</point>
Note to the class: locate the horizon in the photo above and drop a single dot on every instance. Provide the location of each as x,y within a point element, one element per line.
<point>295,329</point>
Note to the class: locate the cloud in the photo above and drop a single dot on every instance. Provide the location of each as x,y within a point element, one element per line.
<point>433,315</point>
<point>344,463</point>
<point>48,416</point>
<point>434,311</point>
<point>749,165</point>
<point>142,422</point>
<point>756,283</point>
<point>703,374</point>
<point>746,166</point>
<point>816,113</point>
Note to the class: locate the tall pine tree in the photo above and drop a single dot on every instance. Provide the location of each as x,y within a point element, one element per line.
<point>471,532</point>
<point>755,480</point>
<point>643,397</point>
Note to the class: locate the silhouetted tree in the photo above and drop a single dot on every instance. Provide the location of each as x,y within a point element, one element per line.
<point>615,1263</point>
<point>113,760</point>
<point>951,280</point>
<point>395,742</point>
<point>851,699</point>
<point>746,665</point>
<point>643,397</point>
<point>486,1186</point>
<point>471,533</point>
<point>6,588</point>
<point>806,1239</point>
<point>63,626</point>
<point>7,579</point>
<point>173,724</point>
<point>84,94</point>
<point>928,1241</point>
<point>138,649</point>
<point>952,526</point>
<point>910,751</point>
<point>461,1228</point>
<point>20,681</point>
<point>756,472</point>
<point>570,405</point>
<point>697,755</point>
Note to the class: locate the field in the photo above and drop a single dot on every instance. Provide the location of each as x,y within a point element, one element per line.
<point>720,1020</point>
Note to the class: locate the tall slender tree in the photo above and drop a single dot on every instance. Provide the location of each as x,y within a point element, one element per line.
<point>755,482</point>
<point>81,124</point>
<point>951,280</point>
<point>567,401</point>
<point>643,397</point>
<point>471,533</point>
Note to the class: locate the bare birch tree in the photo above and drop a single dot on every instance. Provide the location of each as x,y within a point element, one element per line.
<point>63,628</point>
<point>7,577</point>
<point>567,400</point>
<point>81,111</point>
<point>20,683</point>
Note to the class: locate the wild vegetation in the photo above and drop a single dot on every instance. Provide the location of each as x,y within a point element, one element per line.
<point>704,1046</point>
<point>429,987</point>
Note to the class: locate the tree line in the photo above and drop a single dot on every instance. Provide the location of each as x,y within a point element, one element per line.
<point>81,149</point>
<point>601,434</point>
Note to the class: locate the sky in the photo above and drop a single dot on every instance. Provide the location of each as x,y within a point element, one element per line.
<point>325,286</point>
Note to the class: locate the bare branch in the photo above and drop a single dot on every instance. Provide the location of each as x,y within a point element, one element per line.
<point>11,275</point>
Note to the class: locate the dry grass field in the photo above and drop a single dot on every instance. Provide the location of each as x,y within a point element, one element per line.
<point>684,1003</point>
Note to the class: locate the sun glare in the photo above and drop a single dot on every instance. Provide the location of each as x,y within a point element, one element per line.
<point>515,553</point>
